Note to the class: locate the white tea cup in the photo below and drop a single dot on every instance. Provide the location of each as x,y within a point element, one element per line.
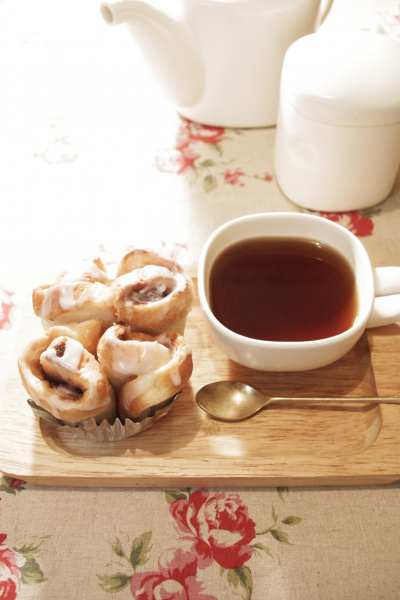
<point>377,289</point>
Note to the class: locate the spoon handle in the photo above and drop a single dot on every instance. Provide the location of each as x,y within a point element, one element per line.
<point>348,400</point>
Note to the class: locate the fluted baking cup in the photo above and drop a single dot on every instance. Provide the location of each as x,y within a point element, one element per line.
<point>106,432</point>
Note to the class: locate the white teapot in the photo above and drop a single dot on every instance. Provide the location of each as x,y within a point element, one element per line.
<point>218,61</point>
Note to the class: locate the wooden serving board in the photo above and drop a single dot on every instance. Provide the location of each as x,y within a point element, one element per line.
<point>281,446</point>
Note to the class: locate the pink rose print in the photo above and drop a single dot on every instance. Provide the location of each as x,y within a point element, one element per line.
<point>174,250</point>
<point>6,308</point>
<point>187,159</point>
<point>199,151</point>
<point>176,161</point>
<point>11,485</point>
<point>10,581</point>
<point>194,132</point>
<point>18,566</point>
<point>16,483</point>
<point>216,533</point>
<point>175,580</point>
<point>183,157</point>
<point>218,525</point>
<point>357,222</point>
<point>232,177</point>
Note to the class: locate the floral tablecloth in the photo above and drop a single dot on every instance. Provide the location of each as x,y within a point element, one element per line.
<point>94,161</point>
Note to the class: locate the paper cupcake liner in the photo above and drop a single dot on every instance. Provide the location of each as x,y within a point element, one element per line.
<point>106,432</point>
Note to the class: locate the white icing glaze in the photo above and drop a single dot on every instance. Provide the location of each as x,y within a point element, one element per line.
<point>179,358</point>
<point>67,295</point>
<point>138,386</point>
<point>71,356</point>
<point>133,357</point>
<point>96,292</point>
<point>175,375</point>
<point>154,276</point>
<point>91,292</point>
<point>79,272</point>
<point>67,299</point>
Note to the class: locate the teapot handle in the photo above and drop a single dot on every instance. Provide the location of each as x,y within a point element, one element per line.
<point>325,11</point>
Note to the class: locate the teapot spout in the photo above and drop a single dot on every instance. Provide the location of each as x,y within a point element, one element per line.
<point>167,46</point>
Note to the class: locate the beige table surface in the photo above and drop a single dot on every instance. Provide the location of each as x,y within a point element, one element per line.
<point>93,161</point>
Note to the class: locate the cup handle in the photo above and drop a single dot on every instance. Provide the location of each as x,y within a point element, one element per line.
<point>386,281</point>
<point>386,311</point>
<point>387,302</point>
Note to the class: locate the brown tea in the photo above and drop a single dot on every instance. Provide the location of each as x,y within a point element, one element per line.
<point>283,289</point>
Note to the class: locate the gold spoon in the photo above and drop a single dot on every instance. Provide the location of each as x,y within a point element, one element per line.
<point>235,401</point>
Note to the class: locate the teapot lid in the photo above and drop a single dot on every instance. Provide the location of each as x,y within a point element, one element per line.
<point>344,78</point>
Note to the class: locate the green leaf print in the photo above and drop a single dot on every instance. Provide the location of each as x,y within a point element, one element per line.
<point>210,182</point>
<point>6,485</point>
<point>217,148</point>
<point>241,576</point>
<point>114,583</point>
<point>140,550</point>
<point>139,555</point>
<point>29,551</point>
<point>208,162</point>
<point>260,548</point>
<point>31,572</point>
<point>291,520</point>
<point>282,492</point>
<point>118,549</point>
<point>370,212</point>
<point>179,494</point>
<point>280,536</point>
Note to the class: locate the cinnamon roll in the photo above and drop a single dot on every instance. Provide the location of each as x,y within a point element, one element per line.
<point>76,295</point>
<point>88,333</point>
<point>152,292</point>
<point>66,380</point>
<point>145,370</point>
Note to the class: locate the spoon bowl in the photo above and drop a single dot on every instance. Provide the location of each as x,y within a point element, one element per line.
<point>236,401</point>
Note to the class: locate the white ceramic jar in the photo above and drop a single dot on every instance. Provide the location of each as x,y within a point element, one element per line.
<point>338,132</point>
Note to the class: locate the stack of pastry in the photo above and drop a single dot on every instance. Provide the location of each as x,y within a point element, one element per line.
<point>113,348</point>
